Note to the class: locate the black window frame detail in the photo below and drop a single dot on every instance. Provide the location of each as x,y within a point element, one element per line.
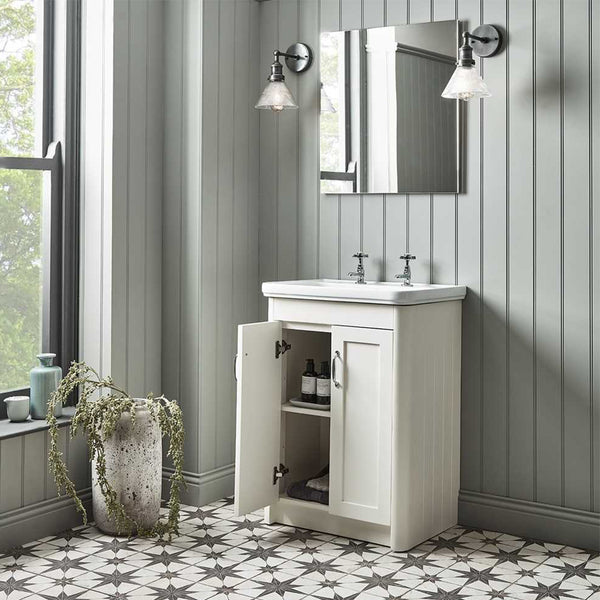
<point>60,163</point>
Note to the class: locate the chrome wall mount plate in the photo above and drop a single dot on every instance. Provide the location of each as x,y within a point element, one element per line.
<point>301,64</point>
<point>493,42</point>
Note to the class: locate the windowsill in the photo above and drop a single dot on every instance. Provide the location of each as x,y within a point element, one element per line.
<point>8,429</point>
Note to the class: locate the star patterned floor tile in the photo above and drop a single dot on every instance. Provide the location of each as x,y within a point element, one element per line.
<point>530,589</point>
<point>219,556</point>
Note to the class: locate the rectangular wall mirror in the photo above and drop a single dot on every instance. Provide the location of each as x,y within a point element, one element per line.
<point>384,126</point>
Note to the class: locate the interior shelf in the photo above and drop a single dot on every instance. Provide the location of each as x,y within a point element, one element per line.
<point>284,499</point>
<point>289,407</point>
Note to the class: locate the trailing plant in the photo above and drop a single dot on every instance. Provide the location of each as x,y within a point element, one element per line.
<point>101,405</point>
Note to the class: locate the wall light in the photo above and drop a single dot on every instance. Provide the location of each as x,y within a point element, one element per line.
<point>466,83</point>
<point>277,96</point>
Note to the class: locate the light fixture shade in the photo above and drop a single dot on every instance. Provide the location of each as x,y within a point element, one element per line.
<point>277,97</point>
<point>466,83</point>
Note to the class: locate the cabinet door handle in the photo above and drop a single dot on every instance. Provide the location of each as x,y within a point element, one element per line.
<point>235,367</point>
<point>335,381</point>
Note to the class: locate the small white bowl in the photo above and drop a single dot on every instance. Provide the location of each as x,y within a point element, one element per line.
<point>17,408</point>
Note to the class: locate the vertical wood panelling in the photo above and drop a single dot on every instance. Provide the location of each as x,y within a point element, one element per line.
<point>595,256</point>
<point>443,206</point>
<point>117,190</point>
<point>224,430</point>
<point>287,156</point>
<point>521,210</point>
<point>211,184</point>
<point>34,468</point>
<point>494,400</point>
<point>419,205</point>
<point>469,242</point>
<point>395,231</point>
<point>576,256</point>
<point>203,199</point>
<point>121,192</point>
<point>11,473</point>
<point>172,198</point>
<point>548,231</point>
<point>501,236</point>
<point>242,76</point>
<point>351,17</point>
<point>308,147</point>
<point>154,135</point>
<point>256,74</point>
<point>269,160</point>
<point>137,109</point>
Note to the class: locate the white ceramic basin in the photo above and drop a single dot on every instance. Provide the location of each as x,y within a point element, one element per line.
<point>339,290</point>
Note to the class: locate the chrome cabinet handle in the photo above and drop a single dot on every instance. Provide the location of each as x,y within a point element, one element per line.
<point>235,367</point>
<point>335,381</point>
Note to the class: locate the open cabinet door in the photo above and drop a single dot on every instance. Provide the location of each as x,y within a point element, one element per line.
<point>258,426</point>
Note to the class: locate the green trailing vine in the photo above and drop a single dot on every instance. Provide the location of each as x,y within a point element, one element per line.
<point>101,405</point>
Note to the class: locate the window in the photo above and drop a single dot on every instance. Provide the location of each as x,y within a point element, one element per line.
<point>38,233</point>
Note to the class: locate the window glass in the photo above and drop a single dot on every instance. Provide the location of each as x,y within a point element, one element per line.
<point>20,275</point>
<point>21,77</point>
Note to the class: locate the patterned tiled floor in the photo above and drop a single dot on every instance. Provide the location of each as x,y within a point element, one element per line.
<point>222,557</point>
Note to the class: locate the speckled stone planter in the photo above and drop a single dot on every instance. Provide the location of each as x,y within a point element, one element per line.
<point>133,468</point>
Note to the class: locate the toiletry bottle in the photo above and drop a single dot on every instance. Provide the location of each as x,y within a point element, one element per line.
<point>324,384</point>
<point>309,382</point>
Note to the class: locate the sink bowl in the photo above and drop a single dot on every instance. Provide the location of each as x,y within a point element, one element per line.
<point>372,292</point>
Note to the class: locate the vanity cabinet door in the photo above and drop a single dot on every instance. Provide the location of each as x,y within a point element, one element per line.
<point>258,423</point>
<point>361,424</point>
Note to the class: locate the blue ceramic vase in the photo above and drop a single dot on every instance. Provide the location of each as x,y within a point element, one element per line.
<point>44,380</point>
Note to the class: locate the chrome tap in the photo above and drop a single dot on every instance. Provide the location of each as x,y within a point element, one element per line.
<point>406,274</point>
<point>360,269</point>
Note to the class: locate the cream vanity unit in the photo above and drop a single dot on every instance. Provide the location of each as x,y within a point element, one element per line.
<point>392,436</point>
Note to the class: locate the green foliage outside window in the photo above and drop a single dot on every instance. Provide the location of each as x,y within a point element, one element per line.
<point>20,198</point>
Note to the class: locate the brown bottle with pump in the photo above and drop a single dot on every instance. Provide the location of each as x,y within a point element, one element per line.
<point>309,382</point>
<point>324,384</point>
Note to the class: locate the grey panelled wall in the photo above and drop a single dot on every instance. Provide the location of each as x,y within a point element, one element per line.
<point>29,506</point>
<point>24,478</point>
<point>524,236</point>
<point>210,222</point>
<point>426,125</point>
<point>121,213</point>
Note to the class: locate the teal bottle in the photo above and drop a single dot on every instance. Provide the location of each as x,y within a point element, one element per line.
<point>44,380</point>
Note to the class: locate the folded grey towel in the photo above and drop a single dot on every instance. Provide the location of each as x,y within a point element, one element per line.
<point>320,483</point>
<point>301,491</point>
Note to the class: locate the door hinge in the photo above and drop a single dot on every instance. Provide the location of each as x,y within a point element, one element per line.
<point>281,348</point>
<point>279,472</point>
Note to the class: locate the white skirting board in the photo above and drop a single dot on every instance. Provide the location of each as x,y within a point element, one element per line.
<point>569,526</point>
<point>202,488</point>
<point>49,517</point>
